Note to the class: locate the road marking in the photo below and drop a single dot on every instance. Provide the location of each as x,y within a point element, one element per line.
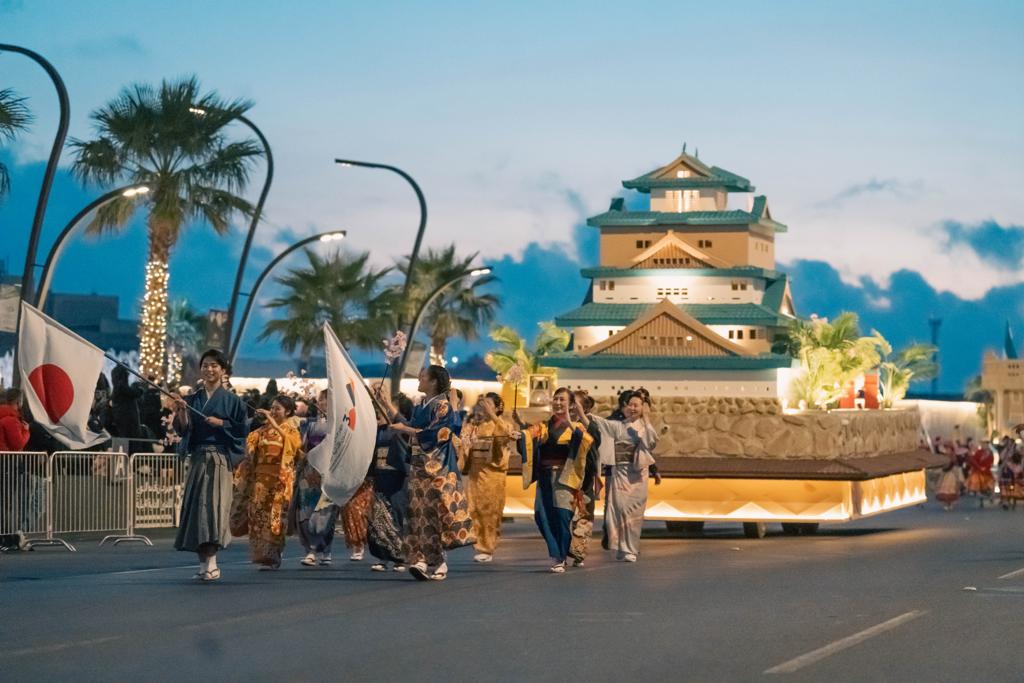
<point>843,643</point>
<point>1012,574</point>
<point>57,647</point>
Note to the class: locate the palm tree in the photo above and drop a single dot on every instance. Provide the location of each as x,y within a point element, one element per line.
<point>898,370</point>
<point>171,139</point>
<point>186,330</point>
<point>976,393</point>
<point>14,118</point>
<point>340,289</point>
<point>512,348</point>
<point>461,309</point>
<point>831,354</point>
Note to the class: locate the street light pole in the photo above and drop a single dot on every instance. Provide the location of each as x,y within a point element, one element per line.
<point>48,175</point>
<point>414,327</point>
<point>414,256</point>
<point>233,305</point>
<point>65,234</point>
<point>251,296</point>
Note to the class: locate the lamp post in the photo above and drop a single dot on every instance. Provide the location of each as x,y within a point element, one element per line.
<point>51,170</point>
<point>251,296</point>
<point>65,234</point>
<point>414,327</point>
<point>233,304</point>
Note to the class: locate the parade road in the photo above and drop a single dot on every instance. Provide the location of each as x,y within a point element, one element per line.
<point>919,594</point>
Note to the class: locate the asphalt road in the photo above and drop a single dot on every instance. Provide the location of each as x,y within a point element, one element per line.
<point>919,594</point>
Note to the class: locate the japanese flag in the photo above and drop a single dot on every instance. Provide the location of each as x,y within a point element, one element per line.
<point>58,370</point>
<point>343,457</point>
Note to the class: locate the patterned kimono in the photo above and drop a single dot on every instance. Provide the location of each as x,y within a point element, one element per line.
<point>355,515</point>
<point>626,497</point>
<point>437,518</point>
<point>312,515</point>
<point>980,480</point>
<point>264,485</point>
<point>555,456</point>
<point>486,446</point>
<point>582,525</point>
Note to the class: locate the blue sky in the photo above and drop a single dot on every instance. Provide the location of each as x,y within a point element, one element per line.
<point>888,136</point>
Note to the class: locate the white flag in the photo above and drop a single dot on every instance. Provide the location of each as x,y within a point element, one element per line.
<point>58,370</point>
<point>343,457</point>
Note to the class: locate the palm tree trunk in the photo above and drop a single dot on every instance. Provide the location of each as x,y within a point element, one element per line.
<point>153,322</point>
<point>437,349</point>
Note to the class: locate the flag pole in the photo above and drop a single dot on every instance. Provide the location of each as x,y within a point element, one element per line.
<point>154,385</point>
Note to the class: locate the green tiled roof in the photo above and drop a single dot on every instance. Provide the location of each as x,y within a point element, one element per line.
<point>738,271</point>
<point>774,293</point>
<point>710,314</point>
<point>718,177</point>
<point>655,218</point>
<point>603,361</point>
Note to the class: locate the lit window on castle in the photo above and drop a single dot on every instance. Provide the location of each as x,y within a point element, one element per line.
<point>672,291</point>
<point>704,244</point>
<point>739,285</point>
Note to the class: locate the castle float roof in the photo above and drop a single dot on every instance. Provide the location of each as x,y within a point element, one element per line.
<point>702,176</point>
<point>758,214</point>
<point>614,315</point>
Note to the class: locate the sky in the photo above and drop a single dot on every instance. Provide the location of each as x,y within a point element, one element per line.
<point>888,136</point>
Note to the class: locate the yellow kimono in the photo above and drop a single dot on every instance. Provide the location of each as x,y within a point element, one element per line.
<point>264,484</point>
<point>486,447</point>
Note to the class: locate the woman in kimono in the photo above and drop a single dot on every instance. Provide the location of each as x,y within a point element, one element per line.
<point>312,515</point>
<point>1011,475</point>
<point>390,465</point>
<point>555,456</point>
<point>951,480</point>
<point>437,518</point>
<point>980,481</point>
<point>487,443</point>
<point>213,437</point>
<point>355,518</point>
<point>266,481</point>
<point>582,524</point>
<point>626,497</point>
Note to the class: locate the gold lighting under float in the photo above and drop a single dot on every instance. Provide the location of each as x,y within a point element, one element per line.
<point>758,500</point>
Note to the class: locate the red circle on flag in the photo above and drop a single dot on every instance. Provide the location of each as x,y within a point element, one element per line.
<point>54,389</point>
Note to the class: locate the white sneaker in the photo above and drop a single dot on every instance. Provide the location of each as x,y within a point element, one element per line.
<point>399,568</point>
<point>441,573</point>
<point>379,567</point>
<point>356,556</point>
<point>629,557</point>
<point>483,557</point>
<point>558,568</point>
<point>309,560</point>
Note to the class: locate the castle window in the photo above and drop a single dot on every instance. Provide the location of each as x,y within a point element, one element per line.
<point>643,244</point>
<point>611,285</point>
<point>753,334</point>
<point>739,334</point>
<point>602,285</point>
<point>704,244</point>
<point>739,285</point>
<point>732,334</point>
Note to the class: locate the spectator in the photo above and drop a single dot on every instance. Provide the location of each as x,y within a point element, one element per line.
<point>124,407</point>
<point>150,407</point>
<point>13,427</point>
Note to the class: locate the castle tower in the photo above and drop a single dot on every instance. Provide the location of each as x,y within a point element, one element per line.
<point>686,299</point>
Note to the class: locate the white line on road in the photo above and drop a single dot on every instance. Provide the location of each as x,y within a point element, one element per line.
<point>1012,574</point>
<point>46,649</point>
<point>843,643</point>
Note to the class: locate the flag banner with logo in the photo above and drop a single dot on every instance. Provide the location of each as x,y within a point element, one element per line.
<point>58,371</point>
<point>343,457</point>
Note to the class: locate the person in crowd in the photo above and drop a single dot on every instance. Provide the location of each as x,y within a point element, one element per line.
<point>554,455</point>
<point>265,483</point>
<point>582,525</point>
<point>1011,475</point>
<point>313,516</point>
<point>150,407</point>
<point>124,408</point>
<point>980,481</point>
<point>99,414</point>
<point>355,518</point>
<point>951,480</point>
<point>13,427</point>
<point>214,438</point>
<point>389,471</point>
<point>486,444</point>
<point>437,518</point>
<point>626,487</point>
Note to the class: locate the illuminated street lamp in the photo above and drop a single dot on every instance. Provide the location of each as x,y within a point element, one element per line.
<point>243,259</point>
<point>335,236</point>
<point>58,244</point>
<point>476,272</point>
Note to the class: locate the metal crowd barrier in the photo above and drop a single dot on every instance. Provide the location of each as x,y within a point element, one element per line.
<point>24,495</point>
<point>89,492</point>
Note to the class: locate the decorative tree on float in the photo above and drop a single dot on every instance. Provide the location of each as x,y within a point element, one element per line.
<point>171,139</point>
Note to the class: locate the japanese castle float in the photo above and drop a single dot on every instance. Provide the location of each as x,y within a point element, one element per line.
<point>686,302</point>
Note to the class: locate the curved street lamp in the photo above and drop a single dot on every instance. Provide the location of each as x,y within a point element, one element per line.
<point>48,175</point>
<point>476,272</point>
<point>414,256</point>
<point>65,234</point>
<point>233,304</point>
<point>251,296</point>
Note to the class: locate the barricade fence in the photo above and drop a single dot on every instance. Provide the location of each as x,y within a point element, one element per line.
<point>73,492</point>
